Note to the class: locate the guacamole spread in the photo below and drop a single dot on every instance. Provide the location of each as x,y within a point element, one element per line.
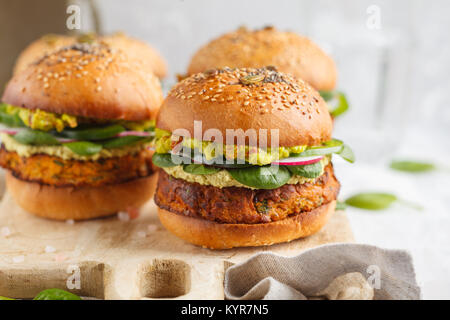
<point>223,178</point>
<point>211,150</point>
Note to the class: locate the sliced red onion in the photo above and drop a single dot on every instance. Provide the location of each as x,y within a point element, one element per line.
<point>13,131</point>
<point>298,161</point>
<point>9,131</point>
<point>135,133</point>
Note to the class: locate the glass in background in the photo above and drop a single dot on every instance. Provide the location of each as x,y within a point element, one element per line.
<point>373,62</point>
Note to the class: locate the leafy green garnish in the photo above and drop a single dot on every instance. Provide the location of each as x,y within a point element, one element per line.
<point>329,147</point>
<point>347,153</point>
<point>11,120</point>
<point>93,133</point>
<point>199,169</point>
<point>56,294</point>
<point>163,160</point>
<point>308,171</point>
<point>371,201</point>
<point>412,166</point>
<point>121,141</point>
<point>336,101</point>
<point>262,177</point>
<point>84,148</point>
<point>34,137</point>
<point>340,205</point>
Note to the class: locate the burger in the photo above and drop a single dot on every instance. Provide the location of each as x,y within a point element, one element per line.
<point>287,51</point>
<point>135,49</point>
<point>76,126</point>
<point>270,180</point>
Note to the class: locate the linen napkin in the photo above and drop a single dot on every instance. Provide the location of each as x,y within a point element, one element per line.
<point>332,271</point>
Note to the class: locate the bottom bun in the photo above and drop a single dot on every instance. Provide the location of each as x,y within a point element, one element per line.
<point>65,203</point>
<point>209,234</point>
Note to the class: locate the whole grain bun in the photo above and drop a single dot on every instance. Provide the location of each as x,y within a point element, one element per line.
<point>89,80</point>
<point>66,203</point>
<point>248,99</point>
<point>287,51</point>
<point>133,48</point>
<point>214,235</point>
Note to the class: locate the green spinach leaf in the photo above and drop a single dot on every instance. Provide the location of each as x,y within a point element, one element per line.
<point>262,177</point>
<point>84,148</point>
<point>93,133</point>
<point>371,201</point>
<point>412,166</point>
<point>308,171</point>
<point>35,137</point>
<point>56,294</point>
<point>199,169</point>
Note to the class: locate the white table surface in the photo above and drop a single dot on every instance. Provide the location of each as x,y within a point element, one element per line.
<point>425,234</point>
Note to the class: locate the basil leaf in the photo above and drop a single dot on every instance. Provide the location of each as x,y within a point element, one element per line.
<point>308,171</point>
<point>346,153</point>
<point>6,298</point>
<point>371,201</point>
<point>56,294</point>
<point>262,177</point>
<point>336,101</point>
<point>332,146</point>
<point>199,169</point>
<point>35,137</point>
<point>94,133</point>
<point>84,148</point>
<point>121,141</point>
<point>412,166</point>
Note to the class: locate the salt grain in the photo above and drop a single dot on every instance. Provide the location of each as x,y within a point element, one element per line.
<point>18,259</point>
<point>123,216</point>
<point>152,228</point>
<point>5,232</point>
<point>141,234</point>
<point>70,221</point>
<point>49,249</point>
<point>60,257</point>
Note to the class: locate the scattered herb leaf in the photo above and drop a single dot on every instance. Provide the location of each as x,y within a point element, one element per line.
<point>371,201</point>
<point>412,166</point>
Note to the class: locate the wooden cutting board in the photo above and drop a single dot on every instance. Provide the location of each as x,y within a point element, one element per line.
<point>115,259</point>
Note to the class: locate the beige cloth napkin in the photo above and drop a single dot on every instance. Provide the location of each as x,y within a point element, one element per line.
<point>332,271</point>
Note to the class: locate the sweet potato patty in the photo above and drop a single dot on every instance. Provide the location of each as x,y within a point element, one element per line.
<point>55,171</point>
<point>243,205</point>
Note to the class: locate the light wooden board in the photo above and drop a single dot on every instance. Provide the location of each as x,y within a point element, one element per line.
<point>115,259</point>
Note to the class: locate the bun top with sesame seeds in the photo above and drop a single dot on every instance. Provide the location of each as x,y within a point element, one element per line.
<point>88,80</point>
<point>45,45</point>
<point>289,52</point>
<point>134,48</point>
<point>248,99</point>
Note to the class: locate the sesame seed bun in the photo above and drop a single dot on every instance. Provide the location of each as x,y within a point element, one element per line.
<point>139,50</point>
<point>45,45</point>
<point>133,48</point>
<point>287,51</point>
<point>214,235</point>
<point>248,99</point>
<point>89,80</point>
<point>66,203</point>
